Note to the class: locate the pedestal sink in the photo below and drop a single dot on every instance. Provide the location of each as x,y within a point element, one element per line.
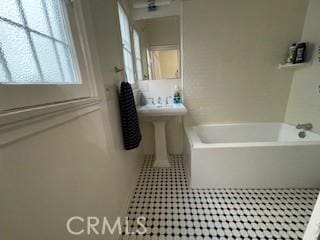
<point>159,115</point>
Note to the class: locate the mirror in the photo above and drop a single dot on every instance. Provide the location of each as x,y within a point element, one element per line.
<point>163,62</point>
<point>160,47</point>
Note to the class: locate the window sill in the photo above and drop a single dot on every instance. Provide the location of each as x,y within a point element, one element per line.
<point>19,123</point>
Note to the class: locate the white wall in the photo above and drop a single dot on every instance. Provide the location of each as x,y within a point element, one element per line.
<point>78,167</point>
<point>161,31</point>
<point>231,53</point>
<point>304,101</point>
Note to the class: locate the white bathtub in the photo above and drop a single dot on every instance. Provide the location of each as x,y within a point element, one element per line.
<point>251,155</point>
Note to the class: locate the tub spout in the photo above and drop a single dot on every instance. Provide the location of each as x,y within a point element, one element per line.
<point>305,126</point>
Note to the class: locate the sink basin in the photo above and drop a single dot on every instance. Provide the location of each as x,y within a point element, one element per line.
<point>151,110</point>
<point>159,115</point>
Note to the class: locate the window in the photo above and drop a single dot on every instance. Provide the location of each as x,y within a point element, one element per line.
<point>35,46</point>
<point>126,44</point>
<point>137,51</point>
<point>45,53</point>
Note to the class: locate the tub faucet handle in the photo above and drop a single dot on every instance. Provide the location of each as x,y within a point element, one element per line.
<point>159,100</point>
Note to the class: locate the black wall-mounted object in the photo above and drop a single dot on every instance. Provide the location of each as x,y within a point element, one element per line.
<point>152,6</point>
<point>300,52</point>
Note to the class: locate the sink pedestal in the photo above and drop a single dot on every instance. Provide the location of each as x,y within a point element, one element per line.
<point>161,155</point>
<point>159,115</point>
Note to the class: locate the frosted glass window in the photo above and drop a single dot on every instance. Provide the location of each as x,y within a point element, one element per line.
<point>137,51</point>
<point>66,62</point>
<point>17,54</point>
<point>126,44</point>
<point>48,60</point>
<point>35,46</point>
<point>35,15</point>
<point>56,19</point>
<point>10,12</point>
<point>129,66</point>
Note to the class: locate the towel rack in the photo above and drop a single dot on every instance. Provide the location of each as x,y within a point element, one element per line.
<point>117,70</point>
<point>124,74</point>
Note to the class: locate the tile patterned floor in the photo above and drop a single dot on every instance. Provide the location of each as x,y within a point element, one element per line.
<point>174,211</point>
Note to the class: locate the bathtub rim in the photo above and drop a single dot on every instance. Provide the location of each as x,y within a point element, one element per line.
<point>195,141</point>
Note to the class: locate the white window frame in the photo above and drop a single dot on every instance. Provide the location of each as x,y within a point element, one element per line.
<point>126,42</point>
<point>138,55</point>
<point>149,63</point>
<point>21,96</point>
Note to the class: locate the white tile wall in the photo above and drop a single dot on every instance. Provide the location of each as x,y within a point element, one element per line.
<point>231,53</point>
<point>304,101</point>
<point>158,88</point>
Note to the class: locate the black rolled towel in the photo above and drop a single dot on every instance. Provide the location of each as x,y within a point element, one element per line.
<point>129,117</point>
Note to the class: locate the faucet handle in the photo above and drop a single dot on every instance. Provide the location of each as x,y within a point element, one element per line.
<point>167,98</point>
<point>304,126</point>
<point>159,100</point>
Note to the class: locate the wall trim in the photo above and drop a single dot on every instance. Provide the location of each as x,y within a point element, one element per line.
<point>21,123</point>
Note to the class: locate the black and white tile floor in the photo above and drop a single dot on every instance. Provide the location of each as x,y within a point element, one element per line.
<point>174,211</point>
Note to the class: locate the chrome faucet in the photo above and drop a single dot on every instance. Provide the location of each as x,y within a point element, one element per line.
<point>305,126</point>
<point>159,100</point>
<point>167,99</point>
